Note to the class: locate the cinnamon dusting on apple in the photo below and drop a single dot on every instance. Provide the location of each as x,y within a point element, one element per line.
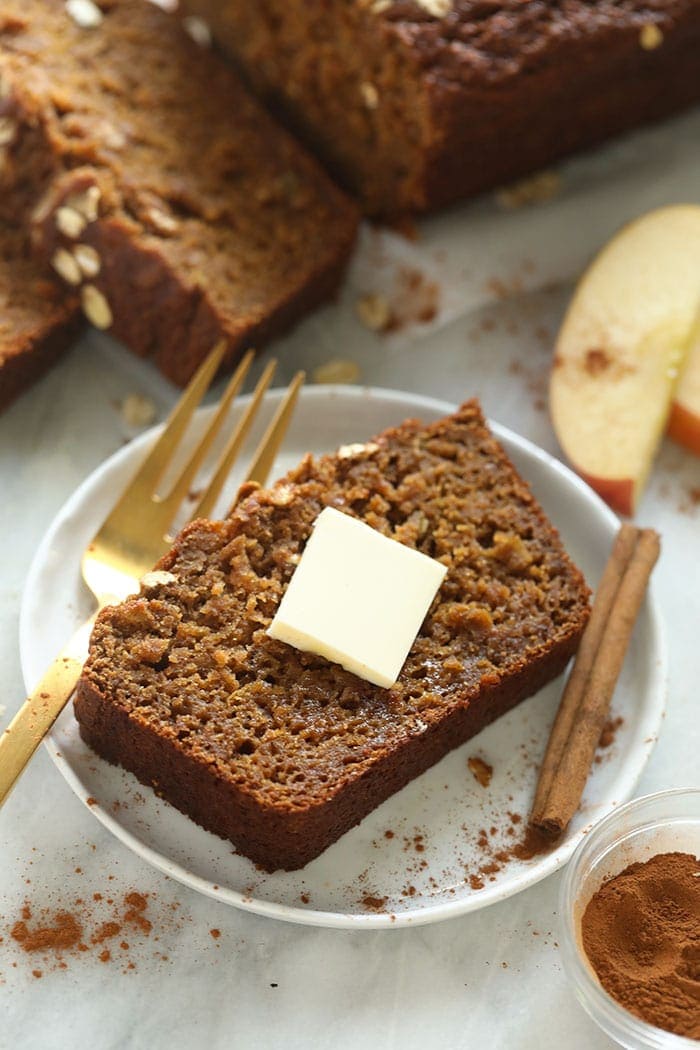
<point>597,361</point>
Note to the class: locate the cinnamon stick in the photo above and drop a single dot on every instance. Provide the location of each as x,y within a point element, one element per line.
<point>586,700</point>
<point>608,587</point>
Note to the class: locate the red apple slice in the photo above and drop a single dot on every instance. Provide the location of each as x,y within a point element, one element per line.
<point>621,346</point>
<point>684,421</point>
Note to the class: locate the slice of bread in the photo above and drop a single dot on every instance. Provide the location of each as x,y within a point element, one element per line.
<point>37,322</point>
<point>188,214</point>
<point>280,750</point>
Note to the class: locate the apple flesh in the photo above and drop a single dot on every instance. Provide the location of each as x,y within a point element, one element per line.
<point>684,421</point>
<point>621,347</point>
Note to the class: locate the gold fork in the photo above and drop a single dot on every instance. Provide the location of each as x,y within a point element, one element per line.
<point>135,535</point>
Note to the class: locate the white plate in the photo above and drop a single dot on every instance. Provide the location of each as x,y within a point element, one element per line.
<point>419,880</point>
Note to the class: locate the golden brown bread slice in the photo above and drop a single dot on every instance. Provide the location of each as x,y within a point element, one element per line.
<point>169,200</point>
<point>280,750</point>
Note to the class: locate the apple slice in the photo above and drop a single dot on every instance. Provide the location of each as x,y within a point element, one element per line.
<point>684,421</point>
<point>620,349</point>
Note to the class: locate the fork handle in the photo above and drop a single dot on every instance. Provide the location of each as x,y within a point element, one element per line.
<point>41,709</point>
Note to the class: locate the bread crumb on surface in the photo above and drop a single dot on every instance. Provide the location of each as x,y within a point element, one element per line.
<point>533,190</point>
<point>480,770</point>
<point>137,410</point>
<point>337,370</point>
<point>374,311</point>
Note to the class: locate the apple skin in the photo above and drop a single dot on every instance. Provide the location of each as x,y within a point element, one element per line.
<point>629,332</point>
<point>684,427</point>
<point>618,493</point>
<point>684,421</point>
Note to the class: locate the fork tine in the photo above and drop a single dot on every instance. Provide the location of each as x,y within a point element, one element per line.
<point>182,484</point>
<point>155,464</point>
<point>228,457</point>
<point>274,435</point>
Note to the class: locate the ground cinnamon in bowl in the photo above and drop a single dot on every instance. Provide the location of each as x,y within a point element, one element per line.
<point>641,933</point>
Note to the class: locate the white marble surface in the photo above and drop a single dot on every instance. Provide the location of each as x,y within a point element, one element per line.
<point>491,979</point>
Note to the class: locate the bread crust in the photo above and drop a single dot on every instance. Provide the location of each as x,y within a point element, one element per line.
<point>37,322</point>
<point>280,838</point>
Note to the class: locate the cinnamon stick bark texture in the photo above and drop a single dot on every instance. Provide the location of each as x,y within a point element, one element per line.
<point>606,592</point>
<point>586,699</point>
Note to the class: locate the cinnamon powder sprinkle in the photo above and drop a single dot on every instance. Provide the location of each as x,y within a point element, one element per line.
<point>597,361</point>
<point>137,903</point>
<point>56,934</point>
<point>374,903</point>
<point>533,844</point>
<point>105,932</point>
<point>607,736</point>
<point>495,857</point>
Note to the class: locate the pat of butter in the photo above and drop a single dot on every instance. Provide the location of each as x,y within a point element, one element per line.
<point>357,597</point>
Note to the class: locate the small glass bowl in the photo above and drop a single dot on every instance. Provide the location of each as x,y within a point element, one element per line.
<point>662,823</point>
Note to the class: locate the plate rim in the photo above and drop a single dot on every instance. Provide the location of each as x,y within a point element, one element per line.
<point>439,912</point>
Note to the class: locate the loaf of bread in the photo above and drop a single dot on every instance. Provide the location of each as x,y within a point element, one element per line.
<point>416,103</point>
<point>282,751</point>
<point>166,197</point>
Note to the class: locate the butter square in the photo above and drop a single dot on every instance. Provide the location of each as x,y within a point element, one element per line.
<point>357,598</point>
